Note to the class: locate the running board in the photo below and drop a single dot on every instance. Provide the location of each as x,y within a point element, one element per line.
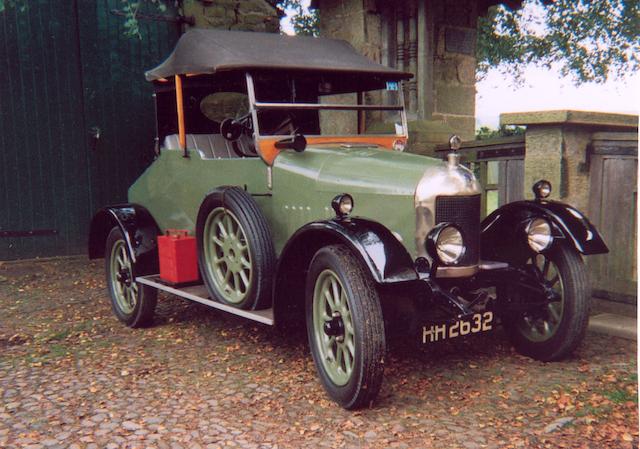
<point>198,293</point>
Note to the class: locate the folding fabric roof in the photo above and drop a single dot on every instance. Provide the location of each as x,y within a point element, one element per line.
<point>204,51</point>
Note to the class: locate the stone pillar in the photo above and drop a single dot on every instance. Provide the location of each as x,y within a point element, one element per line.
<point>243,15</point>
<point>557,149</point>
<point>435,40</point>
<point>455,24</point>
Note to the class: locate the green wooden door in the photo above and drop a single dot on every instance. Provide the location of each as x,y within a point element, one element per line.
<point>44,202</point>
<point>117,98</point>
<point>70,69</point>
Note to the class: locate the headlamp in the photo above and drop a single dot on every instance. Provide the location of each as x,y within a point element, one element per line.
<point>539,234</point>
<point>445,244</point>
<point>342,204</point>
<point>542,189</point>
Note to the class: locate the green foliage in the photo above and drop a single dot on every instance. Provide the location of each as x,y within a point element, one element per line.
<point>131,9</point>
<point>305,20</point>
<point>484,132</point>
<point>588,40</point>
<point>20,4</point>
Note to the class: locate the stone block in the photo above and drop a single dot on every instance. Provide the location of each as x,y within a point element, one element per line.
<point>221,23</point>
<point>576,182</point>
<point>455,99</point>
<point>246,15</point>
<point>252,18</point>
<point>466,70</point>
<point>543,158</point>
<point>424,135</point>
<point>464,126</point>
<point>571,117</point>
<point>446,70</point>
<point>215,11</point>
<point>242,26</point>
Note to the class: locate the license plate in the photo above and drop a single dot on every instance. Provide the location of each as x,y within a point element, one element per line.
<point>479,322</point>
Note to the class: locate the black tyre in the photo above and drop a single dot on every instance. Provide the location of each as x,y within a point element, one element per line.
<point>235,249</point>
<point>553,331</point>
<point>345,327</point>
<point>134,304</point>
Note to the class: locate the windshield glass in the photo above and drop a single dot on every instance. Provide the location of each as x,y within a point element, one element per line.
<point>316,105</point>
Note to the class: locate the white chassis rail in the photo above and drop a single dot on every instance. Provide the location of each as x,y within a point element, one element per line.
<point>198,293</point>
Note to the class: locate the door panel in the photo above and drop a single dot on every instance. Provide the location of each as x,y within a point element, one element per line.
<point>69,68</point>
<point>117,99</point>
<point>43,166</point>
<point>613,209</point>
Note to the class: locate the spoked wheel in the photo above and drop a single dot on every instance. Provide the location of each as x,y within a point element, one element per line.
<point>125,289</point>
<point>332,327</point>
<point>235,249</point>
<point>132,303</point>
<point>540,324</point>
<point>227,255</point>
<point>345,327</point>
<point>554,329</point>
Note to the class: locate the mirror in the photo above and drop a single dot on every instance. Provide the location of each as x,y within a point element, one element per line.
<point>297,143</point>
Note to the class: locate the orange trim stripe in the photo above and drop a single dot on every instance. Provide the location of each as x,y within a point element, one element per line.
<point>269,151</point>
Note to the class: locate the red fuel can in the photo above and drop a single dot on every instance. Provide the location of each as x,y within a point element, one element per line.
<point>178,257</point>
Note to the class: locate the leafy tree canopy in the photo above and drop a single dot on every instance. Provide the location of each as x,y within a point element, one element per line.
<point>588,40</point>
<point>304,19</point>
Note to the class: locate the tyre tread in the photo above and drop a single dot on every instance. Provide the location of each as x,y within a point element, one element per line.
<point>373,339</point>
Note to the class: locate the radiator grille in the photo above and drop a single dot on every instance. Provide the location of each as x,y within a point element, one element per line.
<point>463,211</point>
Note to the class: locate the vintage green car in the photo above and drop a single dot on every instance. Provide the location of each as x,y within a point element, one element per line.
<point>283,156</point>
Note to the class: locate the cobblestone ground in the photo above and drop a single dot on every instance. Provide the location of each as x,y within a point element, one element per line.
<point>71,376</point>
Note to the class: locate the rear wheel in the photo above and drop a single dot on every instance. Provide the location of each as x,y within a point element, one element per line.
<point>235,249</point>
<point>553,330</point>
<point>345,327</point>
<point>134,304</point>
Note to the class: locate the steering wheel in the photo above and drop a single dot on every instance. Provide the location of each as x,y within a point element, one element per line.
<point>234,129</point>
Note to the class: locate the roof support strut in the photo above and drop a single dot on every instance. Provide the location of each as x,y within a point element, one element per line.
<point>180,105</point>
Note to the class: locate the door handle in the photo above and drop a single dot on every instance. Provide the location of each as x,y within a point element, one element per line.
<point>94,135</point>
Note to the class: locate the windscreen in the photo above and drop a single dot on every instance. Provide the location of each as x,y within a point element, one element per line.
<point>327,105</point>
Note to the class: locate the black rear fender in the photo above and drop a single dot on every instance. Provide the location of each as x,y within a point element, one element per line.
<point>138,227</point>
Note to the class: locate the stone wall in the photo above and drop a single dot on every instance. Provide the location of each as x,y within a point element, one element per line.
<point>243,15</point>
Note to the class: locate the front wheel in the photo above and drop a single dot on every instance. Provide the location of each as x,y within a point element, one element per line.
<point>345,327</point>
<point>554,330</point>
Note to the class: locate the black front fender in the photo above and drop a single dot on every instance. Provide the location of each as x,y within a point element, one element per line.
<point>137,225</point>
<point>385,257</point>
<point>503,230</point>
<point>379,250</point>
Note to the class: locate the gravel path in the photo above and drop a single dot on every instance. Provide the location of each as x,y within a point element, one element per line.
<point>72,377</point>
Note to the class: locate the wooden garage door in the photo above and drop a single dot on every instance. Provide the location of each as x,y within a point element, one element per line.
<point>69,69</point>
<point>613,201</point>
